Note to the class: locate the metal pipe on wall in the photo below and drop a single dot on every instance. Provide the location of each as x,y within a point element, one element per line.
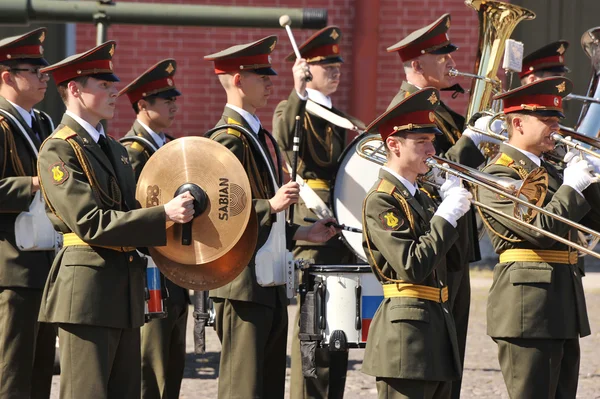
<point>25,11</point>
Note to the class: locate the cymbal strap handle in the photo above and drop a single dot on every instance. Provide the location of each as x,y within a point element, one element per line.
<point>200,205</point>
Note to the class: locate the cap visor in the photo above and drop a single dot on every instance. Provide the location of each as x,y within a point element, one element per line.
<point>109,77</point>
<point>263,71</point>
<point>433,130</point>
<point>331,60</point>
<point>449,48</point>
<point>544,113</point>
<point>168,93</point>
<point>34,61</point>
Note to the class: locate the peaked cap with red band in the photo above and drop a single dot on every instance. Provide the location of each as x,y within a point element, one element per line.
<point>321,48</point>
<point>26,48</point>
<point>414,114</point>
<point>549,58</point>
<point>431,39</point>
<point>253,57</point>
<point>543,97</point>
<point>156,81</point>
<point>95,63</point>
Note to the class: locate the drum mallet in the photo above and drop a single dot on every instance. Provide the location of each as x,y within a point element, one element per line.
<point>285,21</point>
<point>337,226</point>
<point>295,149</point>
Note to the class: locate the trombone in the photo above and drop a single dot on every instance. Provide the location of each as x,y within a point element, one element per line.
<point>535,183</point>
<point>533,188</point>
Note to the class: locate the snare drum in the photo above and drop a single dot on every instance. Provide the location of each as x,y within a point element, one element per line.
<point>349,296</point>
<point>354,178</point>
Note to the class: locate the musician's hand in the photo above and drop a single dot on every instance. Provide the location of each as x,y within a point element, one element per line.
<point>482,124</point>
<point>300,71</point>
<point>573,155</point>
<point>35,184</point>
<point>578,174</point>
<point>450,182</point>
<point>455,205</point>
<point>180,209</point>
<point>287,195</point>
<point>317,232</point>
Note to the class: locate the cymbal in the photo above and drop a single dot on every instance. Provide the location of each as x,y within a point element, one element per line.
<point>214,274</point>
<point>221,177</point>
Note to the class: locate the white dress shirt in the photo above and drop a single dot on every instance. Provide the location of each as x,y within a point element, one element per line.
<point>94,132</point>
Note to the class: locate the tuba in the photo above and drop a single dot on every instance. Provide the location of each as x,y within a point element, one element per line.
<point>497,20</point>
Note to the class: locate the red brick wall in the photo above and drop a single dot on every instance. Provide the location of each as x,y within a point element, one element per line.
<point>139,47</point>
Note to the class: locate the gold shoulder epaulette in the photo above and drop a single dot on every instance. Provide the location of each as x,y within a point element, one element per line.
<point>386,187</point>
<point>64,133</point>
<point>231,121</point>
<point>504,160</point>
<point>137,146</point>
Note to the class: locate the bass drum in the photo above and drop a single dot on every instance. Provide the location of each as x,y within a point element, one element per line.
<point>355,177</point>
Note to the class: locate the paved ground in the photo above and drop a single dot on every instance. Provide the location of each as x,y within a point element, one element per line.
<point>482,378</point>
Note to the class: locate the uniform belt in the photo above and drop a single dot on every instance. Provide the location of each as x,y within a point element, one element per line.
<point>70,239</point>
<point>538,255</point>
<point>415,291</point>
<point>317,184</point>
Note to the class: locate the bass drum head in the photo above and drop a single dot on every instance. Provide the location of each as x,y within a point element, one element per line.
<point>354,179</point>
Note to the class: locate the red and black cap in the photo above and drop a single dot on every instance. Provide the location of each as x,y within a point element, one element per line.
<point>26,48</point>
<point>414,114</point>
<point>157,81</point>
<point>549,58</point>
<point>252,57</point>
<point>321,48</point>
<point>95,63</point>
<point>543,97</point>
<point>431,39</point>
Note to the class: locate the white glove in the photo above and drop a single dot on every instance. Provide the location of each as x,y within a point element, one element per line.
<point>455,205</point>
<point>481,124</point>
<point>450,182</point>
<point>573,155</point>
<point>578,175</point>
<point>437,176</point>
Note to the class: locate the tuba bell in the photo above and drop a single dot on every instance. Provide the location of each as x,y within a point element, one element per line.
<point>589,118</point>
<point>497,20</point>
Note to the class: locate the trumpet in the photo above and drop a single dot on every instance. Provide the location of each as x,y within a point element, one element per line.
<point>565,136</point>
<point>585,99</point>
<point>528,194</point>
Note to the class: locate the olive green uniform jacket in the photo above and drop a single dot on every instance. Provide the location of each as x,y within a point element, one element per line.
<point>455,147</point>
<point>27,347</point>
<point>27,269</point>
<point>245,287</point>
<point>409,338</point>
<point>536,299</point>
<point>321,145</point>
<point>95,286</point>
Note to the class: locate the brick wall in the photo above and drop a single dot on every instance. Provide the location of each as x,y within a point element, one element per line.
<point>139,47</point>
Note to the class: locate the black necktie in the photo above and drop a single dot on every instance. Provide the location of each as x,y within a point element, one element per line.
<point>103,143</point>
<point>37,136</point>
<point>419,197</point>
